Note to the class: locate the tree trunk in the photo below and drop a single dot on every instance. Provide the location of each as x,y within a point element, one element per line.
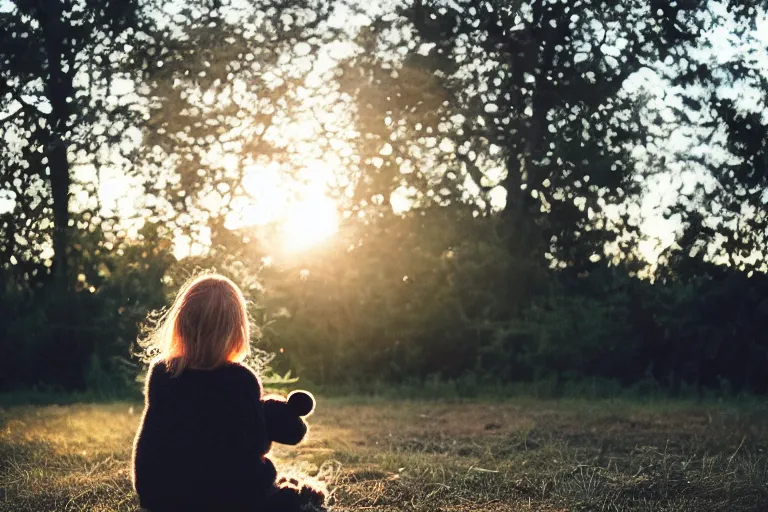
<point>65,357</point>
<point>60,181</point>
<point>59,89</point>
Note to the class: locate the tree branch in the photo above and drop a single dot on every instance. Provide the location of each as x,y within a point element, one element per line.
<point>10,117</point>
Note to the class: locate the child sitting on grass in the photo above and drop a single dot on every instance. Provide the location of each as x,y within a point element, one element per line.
<point>206,428</point>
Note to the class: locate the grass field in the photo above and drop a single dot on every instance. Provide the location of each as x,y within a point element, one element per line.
<point>385,455</point>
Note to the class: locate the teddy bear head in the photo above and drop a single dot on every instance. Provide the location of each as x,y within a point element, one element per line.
<point>285,417</point>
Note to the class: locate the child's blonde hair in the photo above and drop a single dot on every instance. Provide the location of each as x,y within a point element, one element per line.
<point>206,326</point>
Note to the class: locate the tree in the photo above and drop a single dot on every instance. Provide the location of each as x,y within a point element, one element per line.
<point>60,64</point>
<point>520,105</point>
<point>64,112</point>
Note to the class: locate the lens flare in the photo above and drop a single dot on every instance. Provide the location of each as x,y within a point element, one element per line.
<point>309,222</point>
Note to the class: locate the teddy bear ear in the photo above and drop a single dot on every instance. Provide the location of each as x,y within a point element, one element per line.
<point>301,402</point>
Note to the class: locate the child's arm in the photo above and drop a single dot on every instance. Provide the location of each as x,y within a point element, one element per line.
<point>283,418</point>
<point>256,409</point>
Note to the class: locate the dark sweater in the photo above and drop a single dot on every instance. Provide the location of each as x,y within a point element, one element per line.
<point>202,441</point>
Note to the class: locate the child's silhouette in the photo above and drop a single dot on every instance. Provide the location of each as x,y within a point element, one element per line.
<point>206,427</point>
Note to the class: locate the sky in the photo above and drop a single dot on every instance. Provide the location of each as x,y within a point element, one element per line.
<point>662,190</point>
<point>314,216</point>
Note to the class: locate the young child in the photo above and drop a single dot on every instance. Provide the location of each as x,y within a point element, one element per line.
<point>206,428</point>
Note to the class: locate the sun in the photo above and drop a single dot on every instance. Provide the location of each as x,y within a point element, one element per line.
<point>309,222</point>
<point>296,202</point>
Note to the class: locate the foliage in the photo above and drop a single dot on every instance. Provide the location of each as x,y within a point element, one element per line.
<point>491,156</point>
<point>518,107</point>
<point>229,84</point>
<point>114,289</point>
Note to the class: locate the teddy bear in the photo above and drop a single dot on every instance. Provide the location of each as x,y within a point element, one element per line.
<point>285,424</point>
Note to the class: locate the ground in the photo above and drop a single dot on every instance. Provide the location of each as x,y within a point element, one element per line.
<point>385,455</point>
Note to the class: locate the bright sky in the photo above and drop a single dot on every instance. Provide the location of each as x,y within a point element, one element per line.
<point>662,189</point>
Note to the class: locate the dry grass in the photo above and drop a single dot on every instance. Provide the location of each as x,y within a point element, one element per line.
<point>432,456</point>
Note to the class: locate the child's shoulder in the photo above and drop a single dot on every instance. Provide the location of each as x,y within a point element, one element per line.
<point>243,376</point>
<point>158,368</point>
<point>241,370</point>
<point>239,373</point>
